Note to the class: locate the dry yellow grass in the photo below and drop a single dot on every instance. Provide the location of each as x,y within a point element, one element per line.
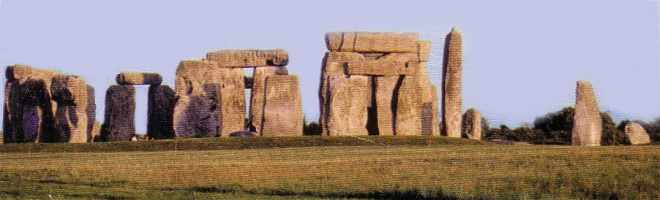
<point>459,171</point>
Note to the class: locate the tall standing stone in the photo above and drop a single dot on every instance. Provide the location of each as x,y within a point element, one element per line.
<point>91,113</point>
<point>160,112</point>
<point>70,93</point>
<point>257,96</point>
<point>452,84</point>
<point>385,87</point>
<point>348,100</point>
<point>636,134</point>
<point>472,124</point>
<point>282,113</point>
<point>119,124</point>
<point>587,121</point>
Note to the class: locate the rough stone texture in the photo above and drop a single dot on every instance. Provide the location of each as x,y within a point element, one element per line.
<point>414,108</point>
<point>91,113</point>
<point>348,100</point>
<point>452,84</point>
<point>385,87</point>
<point>371,42</point>
<point>587,122</point>
<point>211,99</point>
<point>282,114</point>
<point>29,110</point>
<point>257,97</point>
<point>96,131</point>
<point>138,78</point>
<point>249,58</point>
<point>231,102</point>
<point>473,117</point>
<point>393,92</point>
<point>636,134</point>
<point>119,124</point>
<point>160,112</point>
<point>70,93</point>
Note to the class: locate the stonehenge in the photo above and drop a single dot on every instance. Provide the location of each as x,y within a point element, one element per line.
<point>452,84</point>
<point>371,83</point>
<point>376,83</point>
<point>211,95</point>
<point>636,134</point>
<point>587,121</point>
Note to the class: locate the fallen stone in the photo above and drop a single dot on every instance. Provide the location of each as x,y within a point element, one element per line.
<point>636,134</point>
<point>371,42</point>
<point>70,93</point>
<point>247,58</point>
<point>587,122</point>
<point>452,84</point>
<point>119,124</point>
<point>282,114</point>
<point>160,112</point>
<point>138,78</point>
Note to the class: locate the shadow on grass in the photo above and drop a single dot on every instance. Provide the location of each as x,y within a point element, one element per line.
<point>437,194</point>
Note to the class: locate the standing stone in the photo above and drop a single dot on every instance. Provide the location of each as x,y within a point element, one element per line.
<point>257,97</point>
<point>587,122</point>
<point>160,112</point>
<point>385,93</point>
<point>231,101</point>
<point>29,110</point>
<point>451,86</point>
<point>282,113</point>
<point>332,69</point>
<point>91,113</point>
<point>70,93</point>
<point>119,122</point>
<point>472,124</point>
<point>636,134</point>
<point>348,102</point>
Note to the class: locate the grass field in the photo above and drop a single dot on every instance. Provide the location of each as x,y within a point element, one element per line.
<point>441,169</point>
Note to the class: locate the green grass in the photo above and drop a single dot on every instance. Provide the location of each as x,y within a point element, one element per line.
<point>374,171</point>
<point>224,143</point>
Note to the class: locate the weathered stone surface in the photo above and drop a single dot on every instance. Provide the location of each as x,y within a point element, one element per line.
<point>282,114</point>
<point>249,58</point>
<point>96,131</point>
<point>371,42</point>
<point>160,112</point>
<point>211,99</point>
<point>472,122</point>
<point>452,84</point>
<point>423,50</point>
<point>138,78</point>
<point>348,100</point>
<point>70,93</point>
<point>587,121</point>
<point>414,96</point>
<point>257,97</point>
<point>384,95</point>
<point>119,124</point>
<point>381,68</point>
<point>91,112</point>
<point>636,134</point>
<point>29,110</point>
<point>231,102</point>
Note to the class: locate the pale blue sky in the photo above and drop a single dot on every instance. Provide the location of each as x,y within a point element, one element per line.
<point>522,57</point>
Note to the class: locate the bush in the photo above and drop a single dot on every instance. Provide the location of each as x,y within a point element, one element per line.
<point>555,128</point>
<point>611,134</point>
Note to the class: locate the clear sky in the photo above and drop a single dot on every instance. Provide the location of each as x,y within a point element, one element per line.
<point>522,57</point>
